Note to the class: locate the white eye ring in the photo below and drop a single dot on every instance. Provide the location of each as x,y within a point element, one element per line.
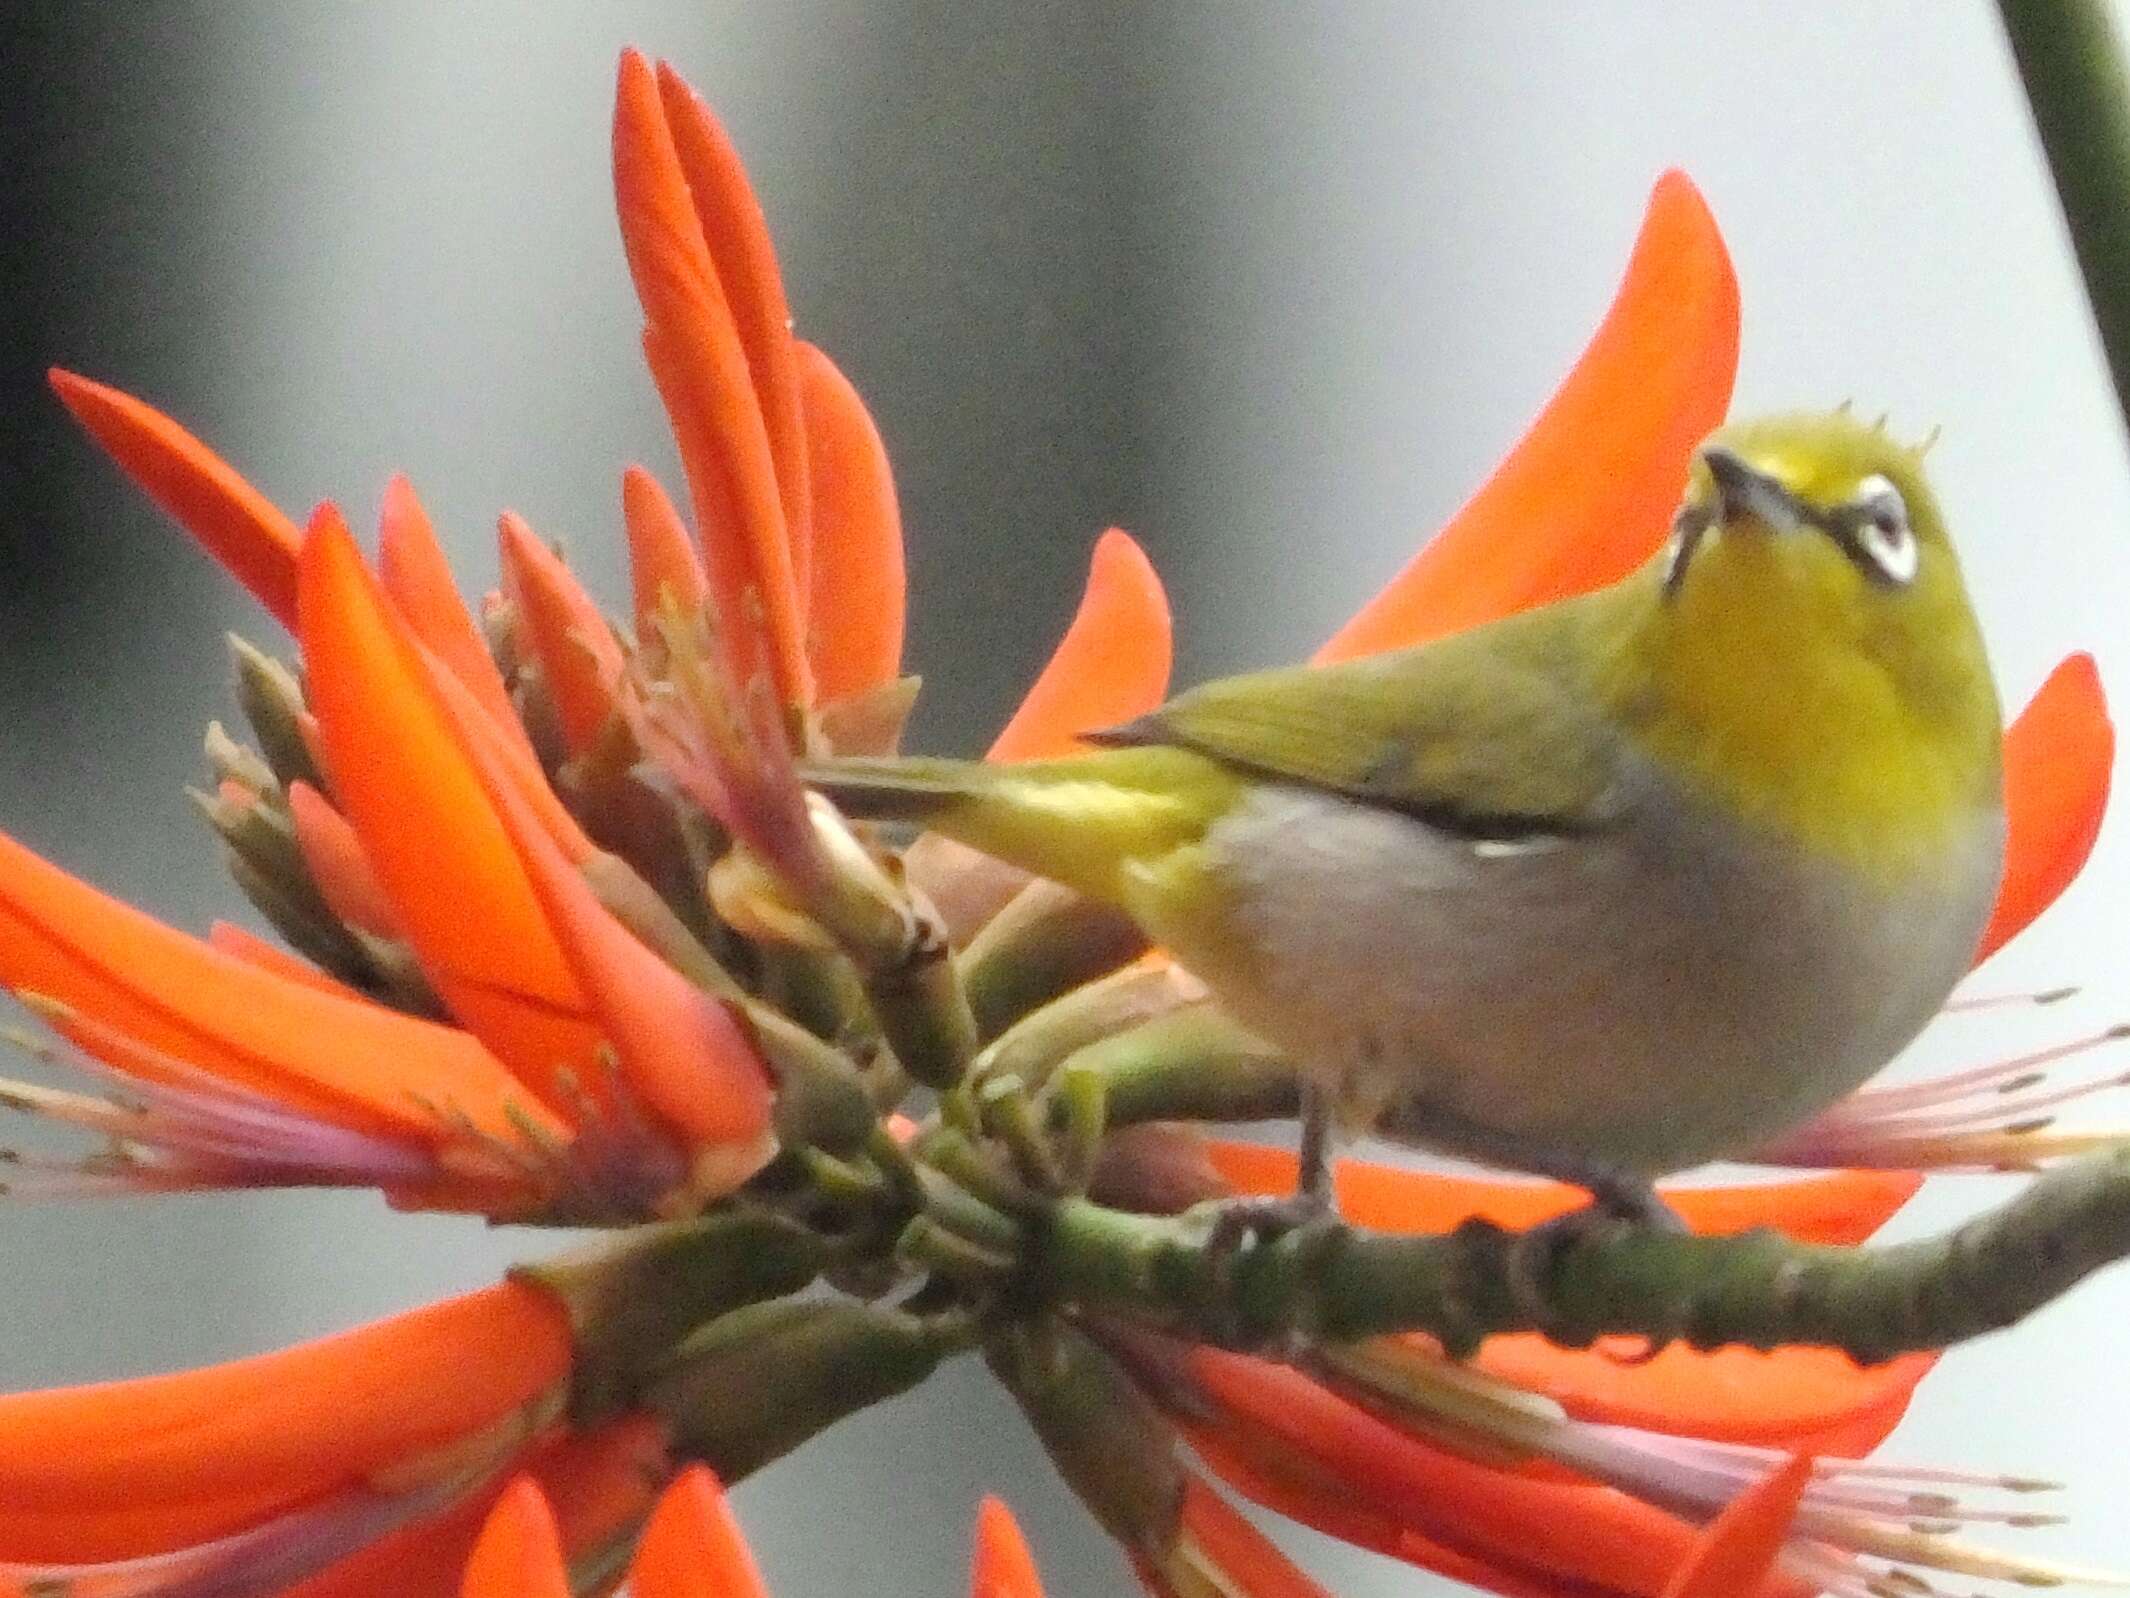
<point>1884,534</point>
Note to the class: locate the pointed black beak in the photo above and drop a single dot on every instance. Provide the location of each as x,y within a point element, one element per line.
<point>1742,491</point>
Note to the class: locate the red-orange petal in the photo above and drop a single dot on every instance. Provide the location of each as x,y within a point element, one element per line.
<point>697,356</point>
<point>519,1551</point>
<point>1002,1566</point>
<point>1312,1497</point>
<point>199,490</point>
<point>234,941</point>
<point>1588,493</point>
<point>514,756</point>
<point>1827,1207</point>
<point>662,558</point>
<point>693,1547</point>
<point>1111,665</point>
<point>1790,1397</point>
<point>677,1049</point>
<point>1249,1564</point>
<point>337,864</point>
<point>1739,1548</point>
<point>2059,755</point>
<point>290,1425</point>
<point>576,650</point>
<point>59,1536</point>
<point>855,607</point>
<point>411,565</point>
<point>1575,1531</point>
<point>407,782</point>
<point>720,532</point>
<point>345,1060</point>
<point>737,237</point>
<point>600,1484</point>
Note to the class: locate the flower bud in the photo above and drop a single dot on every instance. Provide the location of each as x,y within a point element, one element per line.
<point>752,1385</point>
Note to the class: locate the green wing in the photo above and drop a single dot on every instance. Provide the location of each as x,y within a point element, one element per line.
<point>1491,733</point>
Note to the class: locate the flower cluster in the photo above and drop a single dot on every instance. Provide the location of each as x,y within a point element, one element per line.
<point>573,945</point>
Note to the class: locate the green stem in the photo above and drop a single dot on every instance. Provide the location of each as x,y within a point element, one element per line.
<point>1759,1290</point>
<point>2072,64</point>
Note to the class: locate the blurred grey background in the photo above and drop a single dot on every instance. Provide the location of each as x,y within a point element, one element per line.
<point>1269,285</point>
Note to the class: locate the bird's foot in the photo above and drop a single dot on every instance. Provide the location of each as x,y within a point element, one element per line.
<point>1256,1221</point>
<point>1242,1226</point>
<point>1617,1202</point>
<point>1312,1207</point>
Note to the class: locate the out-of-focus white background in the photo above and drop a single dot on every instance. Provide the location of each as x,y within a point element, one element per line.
<point>1271,286</point>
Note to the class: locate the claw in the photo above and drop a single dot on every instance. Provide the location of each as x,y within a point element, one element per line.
<point>1309,1218</point>
<point>1615,1202</point>
<point>1258,1221</point>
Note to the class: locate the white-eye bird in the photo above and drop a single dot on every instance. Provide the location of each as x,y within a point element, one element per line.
<point>1601,891</point>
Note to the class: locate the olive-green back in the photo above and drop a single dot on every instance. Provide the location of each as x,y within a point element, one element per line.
<point>1492,733</point>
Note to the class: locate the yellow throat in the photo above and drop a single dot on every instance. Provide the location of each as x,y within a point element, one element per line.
<point>1804,652</point>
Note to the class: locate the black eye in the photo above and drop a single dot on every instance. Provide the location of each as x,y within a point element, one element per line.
<point>1883,536</point>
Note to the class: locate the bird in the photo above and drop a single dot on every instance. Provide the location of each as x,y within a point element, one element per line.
<point>1621,885</point>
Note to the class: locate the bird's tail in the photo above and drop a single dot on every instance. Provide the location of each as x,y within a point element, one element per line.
<point>898,788</point>
<point>1077,820</point>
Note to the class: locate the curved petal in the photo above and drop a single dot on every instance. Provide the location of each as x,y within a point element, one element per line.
<point>1111,665</point>
<point>692,1547</point>
<point>85,1536</point>
<point>514,756</point>
<point>519,1551</point>
<point>403,774</point>
<point>1588,492</point>
<point>676,1048</point>
<point>1833,1207</point>
<point>337,864</point>
<point>346,1061</point>
<point>199,490</point>
<point>662,560</point>
<point>1216,1539</point>
<point>411,565</point>
<point>578,657</point>
<point>856,598</point>
<point>697,357</point>
<point>737,237</point>
<point>1313,1498</point>
<point>1570,1530</point>
<point>234,941</point>
<point>1002,1566</point>
<point>1790,1397</point>
<point>2059,754</point>
<point>600,1484</point>
<point>288,1426</point>
<point>1740,1546</point>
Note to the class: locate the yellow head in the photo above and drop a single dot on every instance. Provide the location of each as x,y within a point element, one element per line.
<point>1803,649</point>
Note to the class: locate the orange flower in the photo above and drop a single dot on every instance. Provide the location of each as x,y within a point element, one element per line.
<point>523,999</point>
<point>283,1462</point>
<point>1742,1544</point>
<point>1003,1566</point>
<point>601,1481</point>
<point>690,1547</point>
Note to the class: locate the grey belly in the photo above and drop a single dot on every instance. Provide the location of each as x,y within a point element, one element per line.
<point>1654,998</point>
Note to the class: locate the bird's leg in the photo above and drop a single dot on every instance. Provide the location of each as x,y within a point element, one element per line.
<point>1313,1186</point>
<point>1261,1218</point>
